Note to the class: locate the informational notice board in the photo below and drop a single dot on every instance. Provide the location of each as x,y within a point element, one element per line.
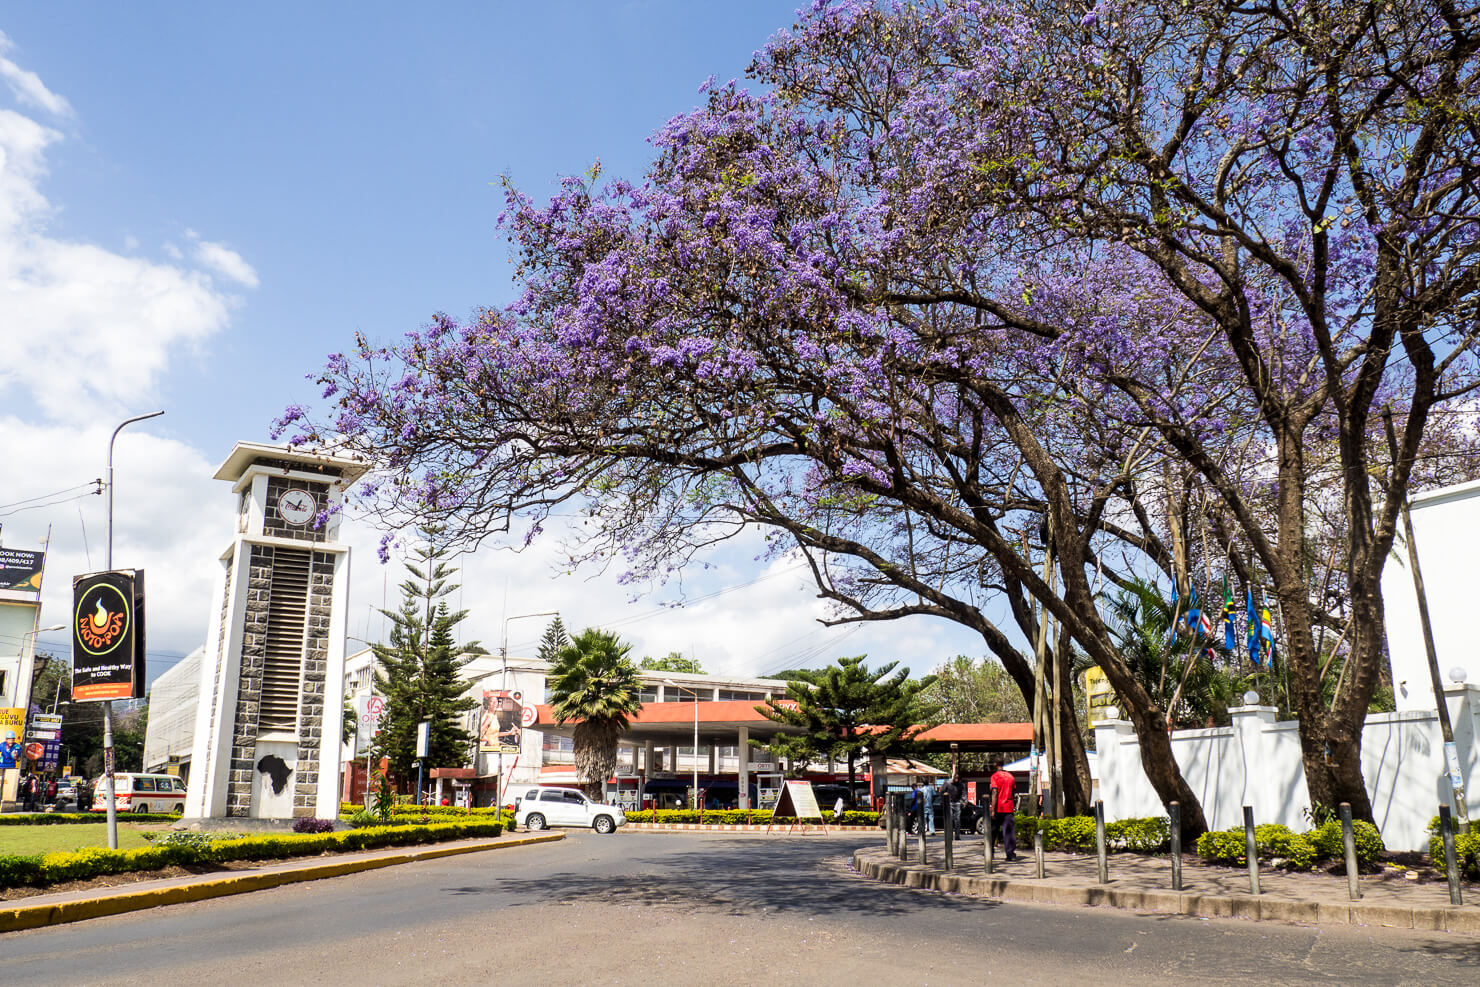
<point>798,802</point>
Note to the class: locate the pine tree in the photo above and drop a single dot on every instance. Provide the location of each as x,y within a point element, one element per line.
<point>555,638</point>
<point>844,709</point>
<point>417,670</point>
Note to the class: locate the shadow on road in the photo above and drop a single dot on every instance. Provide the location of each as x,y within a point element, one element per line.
<point>735,878</point>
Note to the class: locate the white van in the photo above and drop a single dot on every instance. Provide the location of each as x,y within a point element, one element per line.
<point>141,793</point>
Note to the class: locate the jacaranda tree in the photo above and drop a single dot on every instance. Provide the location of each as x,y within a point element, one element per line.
<point>961,301</point>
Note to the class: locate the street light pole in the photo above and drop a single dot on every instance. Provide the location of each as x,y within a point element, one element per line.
<point>695,694</point>
<point>503,684</point>
<point>108,703</point>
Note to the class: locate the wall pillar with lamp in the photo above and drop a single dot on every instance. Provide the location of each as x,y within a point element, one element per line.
<point>272,680</point>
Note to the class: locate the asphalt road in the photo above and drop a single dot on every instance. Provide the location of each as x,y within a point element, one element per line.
<point>648,908</point>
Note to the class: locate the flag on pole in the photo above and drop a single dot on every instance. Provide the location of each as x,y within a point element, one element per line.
<point>1230,633</point>
<point>1253,618</point>
<point>1205,626</point>
<point>1193,623</point>
<point>1266,635</point>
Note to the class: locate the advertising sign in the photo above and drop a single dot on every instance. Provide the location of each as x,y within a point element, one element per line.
<point>21,571</point>
<point>44,726</point>
<point>502,729</point>
<point>108,635</point>
<point>1099,693</point>
<point>12,733</point>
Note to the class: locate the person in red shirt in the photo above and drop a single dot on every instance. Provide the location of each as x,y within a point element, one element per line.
<point>1003,785</point>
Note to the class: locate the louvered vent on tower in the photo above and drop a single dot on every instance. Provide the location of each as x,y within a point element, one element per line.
<point>287,614</point>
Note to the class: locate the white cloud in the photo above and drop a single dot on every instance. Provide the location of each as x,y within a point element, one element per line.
<point>223,260</point>
<point>766,618</point>
<point>89,332</point>
<point>27,86</point>
<point>89,335</point>
<point>162,510</point>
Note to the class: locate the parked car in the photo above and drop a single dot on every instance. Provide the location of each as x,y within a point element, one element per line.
<point>66,794</point>
<point>141,793</point>
<point>973,817</point>
<point>538,808</point>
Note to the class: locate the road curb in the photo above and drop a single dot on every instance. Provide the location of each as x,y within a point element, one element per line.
<point>59,913</point>
<point>1433,919</point>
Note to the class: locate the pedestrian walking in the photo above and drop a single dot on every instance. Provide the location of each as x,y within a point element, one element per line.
<point>28,793</point>
<point>912,809</point>
<point>927,807</point>
<point>51,792</point>
<point>1002,805</point>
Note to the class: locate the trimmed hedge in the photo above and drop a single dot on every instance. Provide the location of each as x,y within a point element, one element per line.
<point>741,817</point>
<point>350,808</point>
<point>1466,847</point>
<point>1138,835</point>
<point>64,818</point>
<point>51,868</point>
<point>1300,851</point>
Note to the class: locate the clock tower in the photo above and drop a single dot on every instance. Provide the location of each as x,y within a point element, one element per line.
<point>268,723</point>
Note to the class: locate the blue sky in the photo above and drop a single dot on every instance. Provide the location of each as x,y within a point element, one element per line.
<point>199,202</point>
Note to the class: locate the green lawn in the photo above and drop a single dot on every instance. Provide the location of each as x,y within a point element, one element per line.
<point>45,839</point>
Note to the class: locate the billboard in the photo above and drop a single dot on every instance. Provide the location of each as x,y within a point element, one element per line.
<point>21,571</point>
<point>12,736</point>
<point>108,635</point>
<point>502,729</point>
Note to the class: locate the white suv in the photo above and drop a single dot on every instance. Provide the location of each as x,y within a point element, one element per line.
<point>538,808</point>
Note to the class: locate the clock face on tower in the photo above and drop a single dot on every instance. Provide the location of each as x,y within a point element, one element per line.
<point>297,506</point>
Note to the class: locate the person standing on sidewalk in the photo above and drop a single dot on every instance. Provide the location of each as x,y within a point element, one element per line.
<point>927,809</point>
<point>952,791</point>
<point>1003,785</point>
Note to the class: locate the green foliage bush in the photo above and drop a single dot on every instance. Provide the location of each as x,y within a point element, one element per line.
<point>1328,841</point>
<point>1466,847</point>
<point>181,849</point>
<point>753,817</point>
<point>350,808</point>
<point>1272,841</point>
<point>1137,835</point>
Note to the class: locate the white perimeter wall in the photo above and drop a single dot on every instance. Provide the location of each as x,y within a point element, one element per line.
<point>1446,526</point>
<point>1256,762</point>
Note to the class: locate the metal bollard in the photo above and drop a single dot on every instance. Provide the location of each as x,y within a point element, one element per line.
<point>1038,850</point>
<point>1174,822</point>
<point>893,807</point>
<point>924,857</point>
<point>989,844</point>
<point>1349,840</point>
<point>950,834</point>
<point>896,816</point>
<point>1251,849</point>
<point>1100,842</point>
<point>1451,866</point>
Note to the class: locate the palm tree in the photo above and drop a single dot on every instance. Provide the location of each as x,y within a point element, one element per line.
<point>1180,676</point>
<point>595,684</point>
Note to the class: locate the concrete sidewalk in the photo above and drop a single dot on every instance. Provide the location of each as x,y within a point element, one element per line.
<point>74,906</point>
<point>1144,883</point>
